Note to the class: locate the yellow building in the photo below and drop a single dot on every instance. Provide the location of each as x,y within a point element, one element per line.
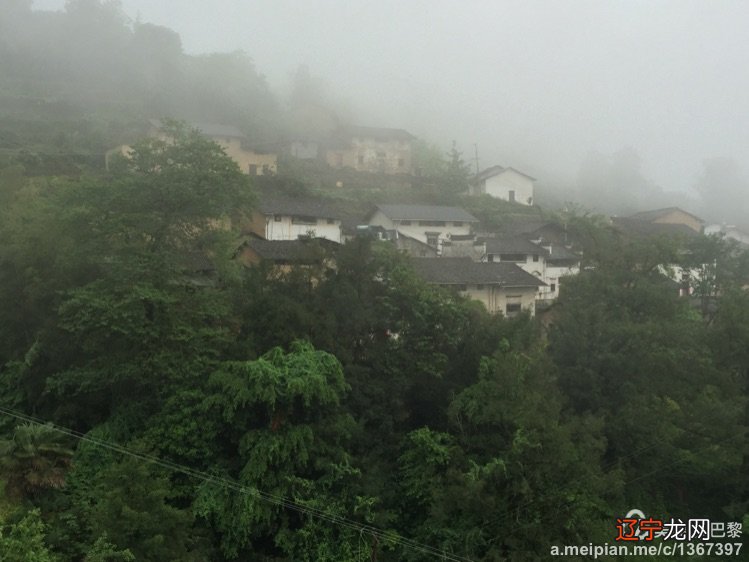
<point>251,160</point>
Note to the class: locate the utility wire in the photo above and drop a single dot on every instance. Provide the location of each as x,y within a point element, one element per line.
<point>375,532</point>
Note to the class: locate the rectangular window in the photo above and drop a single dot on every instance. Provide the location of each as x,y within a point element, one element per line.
<point>303,220</point>
<point>406,223</point>
<point>553,287</point>
<point>535,257</point>
<point>512,257</point>
<point>433,240</point>
<point>461,287</point>
<point>277,218</point>
<point>512,309</point>
<point>511,196</point>
<point>331,221</point>
<point>457,223</point>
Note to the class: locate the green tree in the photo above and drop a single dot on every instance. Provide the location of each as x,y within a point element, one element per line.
<point>36,459</point>
<point>156,242</point>
<point>285,429</point>
<point>132,509</point>
<point>23,541</point>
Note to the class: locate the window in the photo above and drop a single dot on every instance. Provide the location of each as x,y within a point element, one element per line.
<point>479,287</point>
<point>432,240</point>
<point>511,196</point>
<point>462,287</point>
<point>406,223</point>
<point>535,257</point>
<point>512,257</point>
<point>431,223</point>
<point>512,309</point>
<point>303,220</point>
<point>253,169</point>
<point>457,223</point>
<point>331,221</point>
<point>277,218</point>
<point>553,287</point>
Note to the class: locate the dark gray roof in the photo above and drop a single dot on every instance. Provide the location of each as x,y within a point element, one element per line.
<point>645,229</point>
<point>513,245</point>
<point>297,207</point>
<point>301,251</point>
<point>377,133</point>
<point>658,213</point>
<point>208,129</point>
<point>560,254</point>
<point>426,213</point>
<point>465,271</point>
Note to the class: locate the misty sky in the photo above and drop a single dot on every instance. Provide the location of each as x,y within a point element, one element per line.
<point>536,84</point>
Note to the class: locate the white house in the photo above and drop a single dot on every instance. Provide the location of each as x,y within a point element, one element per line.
<point>430,224</point>
<point>508,184</point>
<point>285,218</point>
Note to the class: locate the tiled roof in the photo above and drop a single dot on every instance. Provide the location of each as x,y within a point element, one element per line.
<point>426,213</point>
<point>377,133</point>
<point>559,254</point>
<point>641,228</point>
<point>658,213</point>
<point>208,129</point>
<point>465,271</point>
<point>513,245</point>
<point>297,206</point>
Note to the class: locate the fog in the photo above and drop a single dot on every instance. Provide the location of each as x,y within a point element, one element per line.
<point>541,86</point>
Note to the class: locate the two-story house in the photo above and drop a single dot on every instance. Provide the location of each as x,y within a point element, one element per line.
<point>251,160</point>
<point>430,224</point>
<point>288,218</point>
<point>371,149</point>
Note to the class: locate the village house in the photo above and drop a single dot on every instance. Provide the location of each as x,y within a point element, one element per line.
<point>310,258</point>
<point>253,161</point>
<point>507,184</point>
<point>429,224</point>
<point>369,149</point>
<point>288,218</point>
<point>501,287</point>
<point>670,215</point>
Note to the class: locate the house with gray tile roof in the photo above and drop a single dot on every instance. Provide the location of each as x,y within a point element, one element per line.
<point>430,224</point>
<point>502,287</point>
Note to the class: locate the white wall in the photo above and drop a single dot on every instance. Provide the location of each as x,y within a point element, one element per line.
<point>502,184</point>
<point>495,298</point>
<point>286,229</point>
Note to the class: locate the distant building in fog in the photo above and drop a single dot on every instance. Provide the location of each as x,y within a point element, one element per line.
<point>504,183</point>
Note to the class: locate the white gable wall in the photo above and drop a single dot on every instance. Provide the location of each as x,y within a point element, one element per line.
<point>422,230</point>
<point>284,227</point>
<point>509,182</point>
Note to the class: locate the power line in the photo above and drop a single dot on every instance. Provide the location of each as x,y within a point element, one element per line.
<point>377,533</point>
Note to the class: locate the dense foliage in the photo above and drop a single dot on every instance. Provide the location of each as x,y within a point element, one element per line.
<point>304,410</point>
